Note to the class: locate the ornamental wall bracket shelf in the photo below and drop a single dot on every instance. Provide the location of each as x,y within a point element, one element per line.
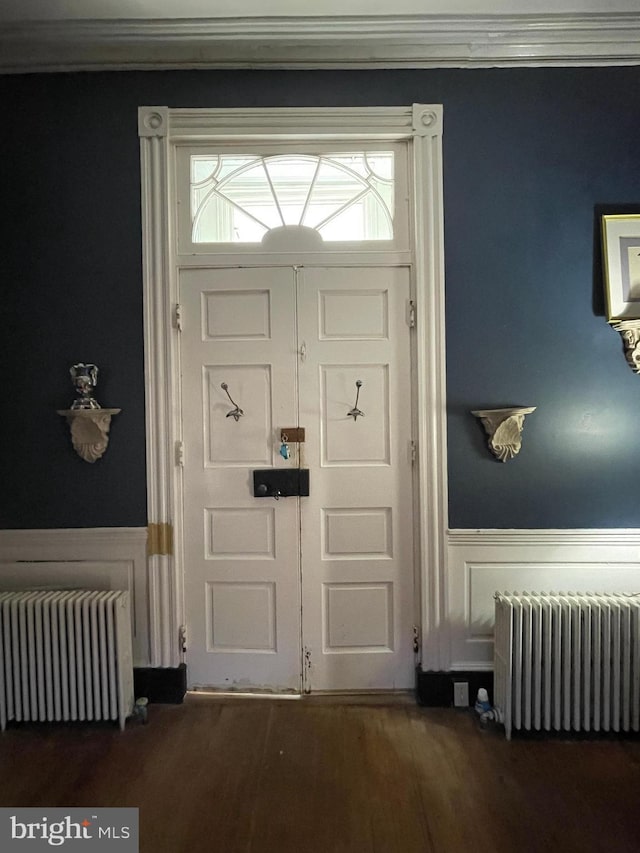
<point>630,334</point>
<point>89,430</point>
<point>504,428</point>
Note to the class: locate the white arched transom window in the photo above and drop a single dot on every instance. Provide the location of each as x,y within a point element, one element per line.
<point>343,197</point>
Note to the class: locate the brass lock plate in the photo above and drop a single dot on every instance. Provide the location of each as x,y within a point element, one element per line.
<point>292,435</point>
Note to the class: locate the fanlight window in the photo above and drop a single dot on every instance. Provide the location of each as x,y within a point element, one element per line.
<point>343,197</point>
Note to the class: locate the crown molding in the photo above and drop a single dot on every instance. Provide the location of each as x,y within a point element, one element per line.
<point>381,41</point>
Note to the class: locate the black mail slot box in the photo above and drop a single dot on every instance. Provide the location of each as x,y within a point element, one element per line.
<point>280,482</point>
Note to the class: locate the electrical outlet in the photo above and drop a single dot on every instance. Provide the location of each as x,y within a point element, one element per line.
<point>461,694</point>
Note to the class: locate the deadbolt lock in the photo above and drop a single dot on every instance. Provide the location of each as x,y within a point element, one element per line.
<point>280,482</point>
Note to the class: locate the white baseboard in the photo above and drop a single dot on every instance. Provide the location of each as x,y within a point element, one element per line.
<point>96,558</point>
<point>481,562</point>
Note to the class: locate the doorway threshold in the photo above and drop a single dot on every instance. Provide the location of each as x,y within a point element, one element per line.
<point>212,693</point>
<point>353,697</point>
<point>362,697</point>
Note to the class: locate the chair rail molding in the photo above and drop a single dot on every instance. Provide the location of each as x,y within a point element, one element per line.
<point>333,41</point>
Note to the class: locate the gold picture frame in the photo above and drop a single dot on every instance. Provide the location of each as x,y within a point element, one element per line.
<point>621,266</point>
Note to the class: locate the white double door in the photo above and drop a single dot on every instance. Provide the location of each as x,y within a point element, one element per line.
<point>299,593</point>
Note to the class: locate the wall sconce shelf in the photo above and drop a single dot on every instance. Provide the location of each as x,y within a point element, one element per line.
<point>504,428</point>
<point>630,334</point>
<point>89,430</point>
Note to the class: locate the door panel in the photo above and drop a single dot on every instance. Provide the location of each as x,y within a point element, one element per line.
<point>357,539</point>
<point>291,344</point>
<point>242,576</point>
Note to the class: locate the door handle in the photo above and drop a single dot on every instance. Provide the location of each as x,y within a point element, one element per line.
<point>262,491</point>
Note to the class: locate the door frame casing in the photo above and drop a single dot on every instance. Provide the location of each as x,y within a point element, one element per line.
<point>161,129</point>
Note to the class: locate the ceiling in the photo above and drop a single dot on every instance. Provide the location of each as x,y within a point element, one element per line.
<point>65,35</point>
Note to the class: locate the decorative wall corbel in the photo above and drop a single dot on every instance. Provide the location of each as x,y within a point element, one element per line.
<point>504,428</point>
<point>630,334</point>
<point>89,430</point>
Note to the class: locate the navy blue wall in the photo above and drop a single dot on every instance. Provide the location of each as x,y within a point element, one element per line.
<point>529,155</point>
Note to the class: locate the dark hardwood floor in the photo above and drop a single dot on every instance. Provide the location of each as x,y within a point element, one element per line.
<point>274,776</point>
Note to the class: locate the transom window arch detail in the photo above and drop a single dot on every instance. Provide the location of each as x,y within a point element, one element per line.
<point>344,196</point>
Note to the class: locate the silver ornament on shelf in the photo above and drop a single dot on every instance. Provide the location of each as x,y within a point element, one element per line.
<point>85,379</point>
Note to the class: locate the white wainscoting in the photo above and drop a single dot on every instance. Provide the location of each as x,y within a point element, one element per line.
<point>93,558</point>
<point>480,562</point>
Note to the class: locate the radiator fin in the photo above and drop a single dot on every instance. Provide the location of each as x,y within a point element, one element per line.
<point>65,655</point>
<point>567,661</point>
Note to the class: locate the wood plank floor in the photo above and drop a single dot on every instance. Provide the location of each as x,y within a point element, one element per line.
<point>273,776</point>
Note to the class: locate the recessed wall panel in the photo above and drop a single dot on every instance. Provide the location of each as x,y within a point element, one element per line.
<point>239,534</point>
<point>241,617</point>
<point>357,617</point>
<point>229,315</point>
<point>482,562</point>
<point>357,534</point>
<point>348,315</point>
<point>482,580</point>
<point>364,440</point>
<point>248,440</point>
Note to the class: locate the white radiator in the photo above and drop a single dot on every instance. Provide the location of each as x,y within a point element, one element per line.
<point>567,662</point>
<point>65,655</point>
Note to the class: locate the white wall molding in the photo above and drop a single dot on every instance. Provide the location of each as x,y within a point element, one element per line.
<point>560,537</point>
<point>431,384</point>
<point>481,562</point>
<point>95,558</point>
<point>71,543</point>
<point>345,41</point>
<point>161,364</point>
<point>290,123</point>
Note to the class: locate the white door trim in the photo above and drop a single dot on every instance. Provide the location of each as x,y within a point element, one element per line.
<point>160,129</point>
